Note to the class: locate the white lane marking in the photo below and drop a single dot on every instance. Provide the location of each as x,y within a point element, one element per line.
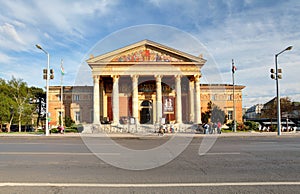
<point>87,154</point>
<point>11,184</point>
<point>55,153</point>
<point>222,153</point>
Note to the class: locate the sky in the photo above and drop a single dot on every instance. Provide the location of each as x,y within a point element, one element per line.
<point>249,31</point>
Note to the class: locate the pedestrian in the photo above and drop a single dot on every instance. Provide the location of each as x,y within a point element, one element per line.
<point>214,128</point>
<point>206,128</point>
<point>161,130</point>
<point>219,125</point>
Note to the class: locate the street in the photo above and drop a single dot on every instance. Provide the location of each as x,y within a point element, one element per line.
<point>234,164</point>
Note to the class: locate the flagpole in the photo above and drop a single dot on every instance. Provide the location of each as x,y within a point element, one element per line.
<point>234,117</point>
<point>61,94</point>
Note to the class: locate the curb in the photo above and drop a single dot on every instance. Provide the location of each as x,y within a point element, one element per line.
<point>135,135</point>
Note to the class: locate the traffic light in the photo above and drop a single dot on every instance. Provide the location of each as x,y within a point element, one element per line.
<point>44,73</point>
<point>279,73</point>
<point>273,74</point>
<point>51,74</point>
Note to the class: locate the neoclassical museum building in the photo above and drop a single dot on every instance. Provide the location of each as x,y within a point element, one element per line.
<point>144,83</point>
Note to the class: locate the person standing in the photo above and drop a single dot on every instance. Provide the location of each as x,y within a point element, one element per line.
<point>219,125</point>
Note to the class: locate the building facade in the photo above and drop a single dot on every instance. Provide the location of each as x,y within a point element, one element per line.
<point>145,82</point>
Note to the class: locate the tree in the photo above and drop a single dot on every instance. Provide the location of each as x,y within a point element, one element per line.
<point>7,105</point>
<point>214,114</point>
<point>39,102</point>
<point>270,108</point>
<point>207,114</point>
<point>21,95</point>
<point>286,106</point>
<point>218,115</point>
<point>19,103</point>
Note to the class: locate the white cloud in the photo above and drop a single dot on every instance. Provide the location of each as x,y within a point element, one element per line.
<point>8,31</point>
<point>5,58</point>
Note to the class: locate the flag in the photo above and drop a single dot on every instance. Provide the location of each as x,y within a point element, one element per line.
<point>233,67</point>
<point>62,70</point>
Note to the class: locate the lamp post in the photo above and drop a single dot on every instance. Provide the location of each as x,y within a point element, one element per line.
<point>277,90</point>
<point>47,88</point>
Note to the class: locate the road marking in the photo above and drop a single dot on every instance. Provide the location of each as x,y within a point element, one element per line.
<point>11,184</point>
<point>222,153</point>
<point>55,153</point>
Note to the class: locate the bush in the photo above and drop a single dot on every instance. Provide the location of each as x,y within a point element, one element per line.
<point>69,122</point>
<point>251,125</point>
<point>239,126</point>
<point>54,130</point>
<point>71,130</point>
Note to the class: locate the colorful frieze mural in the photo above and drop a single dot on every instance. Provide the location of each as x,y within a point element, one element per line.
<point>145,55</point>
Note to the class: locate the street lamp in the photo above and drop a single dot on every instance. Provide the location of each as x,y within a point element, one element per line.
<point>47,88</point>
<point>277,77</point>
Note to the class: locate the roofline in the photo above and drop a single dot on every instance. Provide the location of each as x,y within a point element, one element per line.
<point>223,85</point>
<point>145,42</point>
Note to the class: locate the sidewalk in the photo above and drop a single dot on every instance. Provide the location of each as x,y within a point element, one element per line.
<point>132,135</point>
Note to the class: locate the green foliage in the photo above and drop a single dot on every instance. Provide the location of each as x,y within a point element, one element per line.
<point>247,126</point>
<point>214,113</point>
<point>15,104</point>
<point>54,130</point>
<point>71,130</point>
<point>217,115</point>
<point>230,125</point>
<point>69,122</point>
<point>205,117</point>
<point>251,125</point>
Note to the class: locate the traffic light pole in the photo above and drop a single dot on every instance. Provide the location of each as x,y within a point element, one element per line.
<point>278,97</point>
<point>47,88</point>
<point>277,77</point>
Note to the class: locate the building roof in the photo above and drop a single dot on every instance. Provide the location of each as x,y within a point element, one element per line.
<point>150,45</point>
<point>222,86</point>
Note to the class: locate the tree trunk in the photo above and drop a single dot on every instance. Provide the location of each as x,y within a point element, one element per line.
<point>20,126</point>
<point>9,125</point>
<point>39,115</point>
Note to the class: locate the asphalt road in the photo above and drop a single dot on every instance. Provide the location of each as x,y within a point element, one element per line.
<point>266,164</point>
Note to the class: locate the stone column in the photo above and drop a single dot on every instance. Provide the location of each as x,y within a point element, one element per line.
<point>191,100</point>
<point>178,99</point>
<point>197,99</point>
<point>158,98</point>
<point>135,98</point>
<point>96,104</point>
<point>101,86</point>
<point>115,99</point>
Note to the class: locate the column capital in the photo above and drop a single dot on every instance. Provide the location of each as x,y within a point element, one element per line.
<point>115,77</point>
<point>197,77</point>
<point>158,77</point>
<point>134,77</point>
<point>177,77</point>
<point>96,76</point>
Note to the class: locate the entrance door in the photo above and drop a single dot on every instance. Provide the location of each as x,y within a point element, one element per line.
<point>146,112</point>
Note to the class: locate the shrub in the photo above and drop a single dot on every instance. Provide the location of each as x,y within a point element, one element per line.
<point>251,125</point>
<point>71,130</point>
<point>69,122</point>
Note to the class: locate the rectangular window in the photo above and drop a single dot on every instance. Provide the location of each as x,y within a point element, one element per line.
<point>60,117</point>
<point>230,97</point>
<point>77,116</point>
<point>230,115</point>
<point>76,97</point>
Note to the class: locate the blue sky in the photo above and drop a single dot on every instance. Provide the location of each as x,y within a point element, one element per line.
<point>249,31</point>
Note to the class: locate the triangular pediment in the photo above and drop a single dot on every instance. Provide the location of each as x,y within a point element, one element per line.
<point>145,51</point>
